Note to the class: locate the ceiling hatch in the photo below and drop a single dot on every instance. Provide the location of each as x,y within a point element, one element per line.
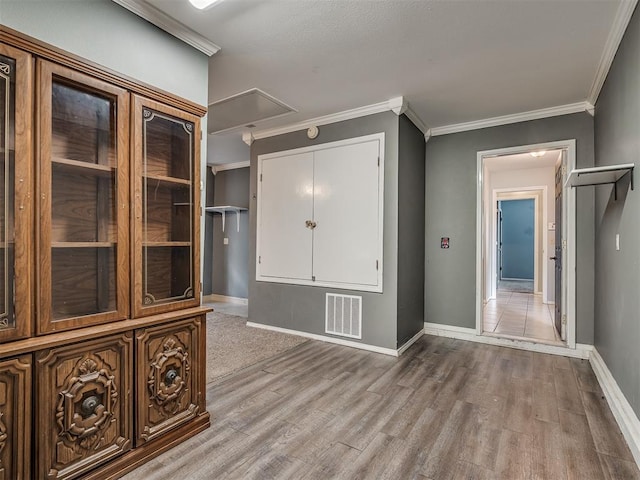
<point>244,108</point>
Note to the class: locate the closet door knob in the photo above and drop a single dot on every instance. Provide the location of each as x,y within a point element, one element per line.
<point>310,224</point>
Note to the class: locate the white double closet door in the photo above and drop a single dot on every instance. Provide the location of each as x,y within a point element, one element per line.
<point>319,216</point>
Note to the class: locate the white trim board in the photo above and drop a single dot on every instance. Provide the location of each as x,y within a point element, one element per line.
<point>620,23</point>
<point>170,25</point>
<point>622,411</point>
<point>470,335</point>
<point>214,297</point>
<point>513,118</point>
<point>398,105</point>
<point>215,168</point>
<point>340,341</point>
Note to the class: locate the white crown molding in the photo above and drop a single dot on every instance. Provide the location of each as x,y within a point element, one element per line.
<point>221,167</point>
<point>325,120</point>
<point>417,121</point>
<point>248,138</point>
<point>620,407</point>
<point>514,118</point>
<point>169,25</point>
<point>620,23</point>
<point>398,105</point>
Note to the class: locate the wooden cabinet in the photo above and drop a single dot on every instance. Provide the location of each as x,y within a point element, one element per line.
<point>166,192</point>
<point>82,405</point>
<point>170,383</point>
<point>15,418</point>
<point>108,253</point>
<point>83,164</point>
<point>15,193</point>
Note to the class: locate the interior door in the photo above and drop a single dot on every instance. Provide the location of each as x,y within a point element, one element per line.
<point>499,241</point>
<point>285,205</point>
<point>558,254</point>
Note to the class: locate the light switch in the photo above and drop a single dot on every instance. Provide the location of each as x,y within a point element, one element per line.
<point>617,241</point>
<point>225,241</point>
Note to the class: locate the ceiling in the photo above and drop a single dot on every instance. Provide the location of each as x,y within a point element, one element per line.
<point>522,160</point>
<point>453,61</point>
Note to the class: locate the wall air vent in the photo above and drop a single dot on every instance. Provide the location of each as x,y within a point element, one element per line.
<point>343,315</point>
<point>244,108</point>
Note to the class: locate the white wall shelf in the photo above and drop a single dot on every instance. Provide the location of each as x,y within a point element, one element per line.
<point>600,176</point>
<point>224,209</point>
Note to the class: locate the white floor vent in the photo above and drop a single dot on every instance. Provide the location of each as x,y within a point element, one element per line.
<point>344,315</point>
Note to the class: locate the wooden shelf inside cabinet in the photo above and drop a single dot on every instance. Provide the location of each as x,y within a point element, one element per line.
<point>76,166</point>
<point>224,209</point>
<point>600,175</point>
<point>167,180</point>
<point>167,244</point>
<point>83,244</point>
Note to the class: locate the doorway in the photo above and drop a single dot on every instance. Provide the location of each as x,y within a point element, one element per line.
<point>517,299</point>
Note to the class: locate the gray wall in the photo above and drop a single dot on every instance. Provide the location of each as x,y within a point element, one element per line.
<point>300,307</point>
<point>410,230</point>
<point>617,300</point>
<point>207,250</point>
<point>230,263</point>
<point>451,178</point>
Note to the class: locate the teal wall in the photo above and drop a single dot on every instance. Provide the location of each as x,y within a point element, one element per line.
<point>518,229</point>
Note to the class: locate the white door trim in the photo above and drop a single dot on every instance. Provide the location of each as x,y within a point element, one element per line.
<point>568,231</point>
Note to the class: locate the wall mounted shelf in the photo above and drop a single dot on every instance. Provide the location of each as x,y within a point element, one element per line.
<point>600,176</point>
<point>223,210</point>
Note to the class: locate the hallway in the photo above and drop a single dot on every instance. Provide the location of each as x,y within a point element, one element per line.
<point>522,315</point>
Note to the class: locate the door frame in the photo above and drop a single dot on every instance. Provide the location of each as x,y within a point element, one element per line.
<point>568,231</point>
<point>539,196</point>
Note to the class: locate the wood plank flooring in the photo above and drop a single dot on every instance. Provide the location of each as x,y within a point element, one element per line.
<point>446,409</point>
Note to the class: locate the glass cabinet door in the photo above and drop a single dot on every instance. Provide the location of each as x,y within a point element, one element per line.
<point>15,193</point>
<point>83,200</point>
<point>167,208</point>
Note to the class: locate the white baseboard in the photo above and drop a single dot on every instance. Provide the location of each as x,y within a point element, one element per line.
<point>471,335</point>
<point>324,338</point>
<point>410,342</point>
<point>214,297</point>
<point>620,407</point>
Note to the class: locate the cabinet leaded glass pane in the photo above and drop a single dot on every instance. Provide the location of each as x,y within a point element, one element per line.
<point>7,181</point>
<point>167,250</point>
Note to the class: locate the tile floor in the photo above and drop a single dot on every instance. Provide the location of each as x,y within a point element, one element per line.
<point>521,315</point>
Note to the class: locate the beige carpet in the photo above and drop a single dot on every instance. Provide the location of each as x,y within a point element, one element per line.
<point>232,346</point>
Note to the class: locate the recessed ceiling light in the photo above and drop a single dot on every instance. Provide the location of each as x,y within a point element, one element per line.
<point>538,154</point>
<point>202,4</point>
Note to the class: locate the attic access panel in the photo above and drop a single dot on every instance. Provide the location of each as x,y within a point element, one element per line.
<point>244,108</point>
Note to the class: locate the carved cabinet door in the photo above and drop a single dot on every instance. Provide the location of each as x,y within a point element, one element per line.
<point>83,405</point>
<point>15,418</point>
<point>170,377</point>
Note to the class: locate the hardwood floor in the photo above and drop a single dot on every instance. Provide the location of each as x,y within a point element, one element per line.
<point>446,409</point>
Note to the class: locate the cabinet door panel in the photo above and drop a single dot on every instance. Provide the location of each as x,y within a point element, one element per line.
<point>15,193</point>
<point>346,241</point>
<point>166,223</point>
<point>15,418</point>
<point>83,405</point>
<point>170,374</point>
<point>285,205</point>
<point>84,169</point>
